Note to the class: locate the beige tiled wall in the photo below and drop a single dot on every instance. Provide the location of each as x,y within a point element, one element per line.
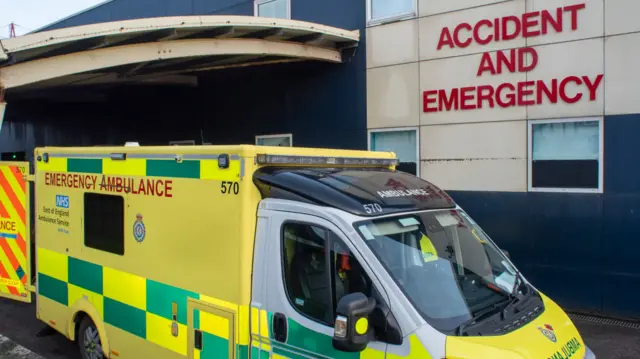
<point>622,73</point>
<point>486,149</point>
<point>393,96</point>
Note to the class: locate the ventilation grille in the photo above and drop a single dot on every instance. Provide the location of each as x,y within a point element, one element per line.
<point>606,321</point>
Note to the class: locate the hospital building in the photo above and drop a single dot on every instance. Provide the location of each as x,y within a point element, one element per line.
<point>525,111</point>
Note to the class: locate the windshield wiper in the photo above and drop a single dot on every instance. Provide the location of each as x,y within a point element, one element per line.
<point>480,315</point>
<point>514,293</point>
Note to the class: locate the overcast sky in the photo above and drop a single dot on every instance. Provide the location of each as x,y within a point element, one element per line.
<point>32,14</point>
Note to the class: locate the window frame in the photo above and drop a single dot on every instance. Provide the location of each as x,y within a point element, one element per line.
<point>124,229</point>
<point>387,19</point>
<point>283,135</point>
<point>370,132</point>
<point>531,123</point>
<point>257,3</point>
<point>283,258</point>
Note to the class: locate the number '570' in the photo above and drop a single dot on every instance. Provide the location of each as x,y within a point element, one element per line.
<point>229,187</point>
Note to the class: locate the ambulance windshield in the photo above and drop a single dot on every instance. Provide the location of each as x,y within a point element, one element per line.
<point>443,262</point>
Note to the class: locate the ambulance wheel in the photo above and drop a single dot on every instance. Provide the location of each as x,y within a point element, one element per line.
<point>89,340</point>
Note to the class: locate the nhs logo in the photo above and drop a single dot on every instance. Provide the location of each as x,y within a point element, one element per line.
<point>62,201</point>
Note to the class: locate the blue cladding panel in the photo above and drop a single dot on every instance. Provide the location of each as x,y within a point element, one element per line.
<point>209,6</point>
<point>243,8</point>
<point>501,214</point>
<point>620,247</point>
<point>554,239</point>
<point>178,8</point>
<point>565,231</point>
<point>622,147</point>
<point>348,15</point>
<point>620,250</point>
<point>132,9</point>
<point>128,10</point>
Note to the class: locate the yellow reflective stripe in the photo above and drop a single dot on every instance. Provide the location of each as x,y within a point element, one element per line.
<point>8,205</point>
<point>75,293</point>
<point>196,353</point>
<point>209,170</point>
<point>214,324</point>
<point>17,252</point>
<point>9,282</point>
<point>255,316</point>
<point>129,167</point>
<point>264,324</point>
<point>55,164</point>
<point>159,332</point>
<point>14,281</point>
<point>369,353</point>
<point>124,287</point>
<point>243,326</point>
<point>417,350</point>
<point>53,264</point>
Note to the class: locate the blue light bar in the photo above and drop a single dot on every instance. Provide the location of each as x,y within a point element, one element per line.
<point>264,159</point>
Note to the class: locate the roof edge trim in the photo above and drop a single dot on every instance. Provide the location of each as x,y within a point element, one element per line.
<point>70,34</point>
<point>26,73</point>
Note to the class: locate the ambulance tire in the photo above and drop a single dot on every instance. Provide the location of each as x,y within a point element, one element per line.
<point>89,340</point>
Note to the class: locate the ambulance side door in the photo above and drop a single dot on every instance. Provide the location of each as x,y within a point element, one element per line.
<point>303,284</point>
<point>15,232</point>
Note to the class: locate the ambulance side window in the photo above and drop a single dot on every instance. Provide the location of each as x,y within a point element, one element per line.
<point>315,282</point>
<point>104,222</point>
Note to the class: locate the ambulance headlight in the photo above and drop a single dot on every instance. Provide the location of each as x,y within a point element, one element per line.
<point>589,354</point>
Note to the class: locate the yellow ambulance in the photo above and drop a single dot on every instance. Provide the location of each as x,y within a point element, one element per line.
<point>262,252</point>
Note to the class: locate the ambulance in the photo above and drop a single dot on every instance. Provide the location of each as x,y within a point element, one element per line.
<point>262,252</point>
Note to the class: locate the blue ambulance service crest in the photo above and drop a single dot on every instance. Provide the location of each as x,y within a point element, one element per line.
<point>139,230</point>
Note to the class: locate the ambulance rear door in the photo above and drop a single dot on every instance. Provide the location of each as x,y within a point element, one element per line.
<point>15,249</point>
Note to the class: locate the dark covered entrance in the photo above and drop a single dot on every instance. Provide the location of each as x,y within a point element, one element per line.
<point>308,98</point>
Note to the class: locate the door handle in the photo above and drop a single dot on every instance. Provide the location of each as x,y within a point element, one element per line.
<point>279,327</point>
<point>197,339</point>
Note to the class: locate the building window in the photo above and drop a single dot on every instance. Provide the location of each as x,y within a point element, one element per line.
<point>315,283</point>
<point>403,142</point>
<point>285,140</point>
<point>566,155</point>
<point>387,10</point>
<point>273,8</point>
<point>104,222</point>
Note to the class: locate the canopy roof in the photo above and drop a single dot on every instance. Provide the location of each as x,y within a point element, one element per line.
<point>151,48</point>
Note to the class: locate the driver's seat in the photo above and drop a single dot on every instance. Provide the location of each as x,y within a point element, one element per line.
<point>309,283</point>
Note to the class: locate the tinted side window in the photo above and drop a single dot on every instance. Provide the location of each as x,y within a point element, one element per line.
<point>104,222</point>
<point>315,282</point>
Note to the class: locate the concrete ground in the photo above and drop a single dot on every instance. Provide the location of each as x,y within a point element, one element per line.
<point>18,322</point>
<point>609,341</point>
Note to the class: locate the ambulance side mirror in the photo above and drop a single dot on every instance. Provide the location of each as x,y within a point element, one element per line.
<point>352,332</point>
